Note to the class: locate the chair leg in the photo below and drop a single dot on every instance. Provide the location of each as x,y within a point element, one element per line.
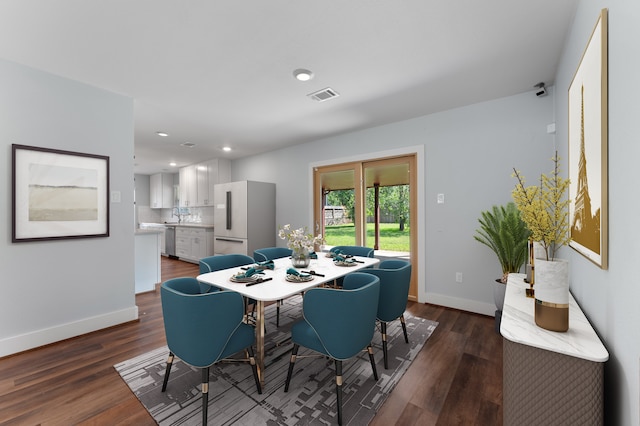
<point>254,367</point>
<point>294,353</point>
<point>404,328</point>
<point>205,394</point>
<point>339,389</point>
<point>278,303</point>
<point>167,371</point>
<point>383,331</point>
<point>373,362</point>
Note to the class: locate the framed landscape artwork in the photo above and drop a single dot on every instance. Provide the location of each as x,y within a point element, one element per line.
<point>588,132</point>
<point>58,194</point>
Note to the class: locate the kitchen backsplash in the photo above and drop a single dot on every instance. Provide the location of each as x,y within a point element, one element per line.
<point>189,215</point>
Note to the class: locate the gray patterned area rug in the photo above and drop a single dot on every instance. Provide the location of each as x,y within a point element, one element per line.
<point>311,400</point>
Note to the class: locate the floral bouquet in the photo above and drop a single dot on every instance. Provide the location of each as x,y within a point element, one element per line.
<point>299,239</point>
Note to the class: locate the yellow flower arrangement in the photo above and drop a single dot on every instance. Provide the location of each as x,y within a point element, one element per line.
<point>545,209</point>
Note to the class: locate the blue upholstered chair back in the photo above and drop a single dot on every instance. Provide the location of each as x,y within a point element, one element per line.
<point>223,261</point>
<point>395,278</point>
<point>343,320</point>
<point>199,326</point>
<point>271,253</point>
<point>354,250</point>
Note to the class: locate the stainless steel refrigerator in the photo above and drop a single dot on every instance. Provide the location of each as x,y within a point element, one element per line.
<point>244,217</point>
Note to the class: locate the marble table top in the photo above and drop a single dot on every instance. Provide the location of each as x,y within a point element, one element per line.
<point>518,325</point>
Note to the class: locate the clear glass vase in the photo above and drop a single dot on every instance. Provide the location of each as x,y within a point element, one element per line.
<point>300,258</point>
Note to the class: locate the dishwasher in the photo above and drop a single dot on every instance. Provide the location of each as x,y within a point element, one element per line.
<point>170,241</point>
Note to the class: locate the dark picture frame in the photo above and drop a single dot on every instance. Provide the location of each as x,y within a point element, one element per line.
<point>588,141</point>
<point>58,194</point>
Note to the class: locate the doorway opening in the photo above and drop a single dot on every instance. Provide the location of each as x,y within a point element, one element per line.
<point>370,203</point>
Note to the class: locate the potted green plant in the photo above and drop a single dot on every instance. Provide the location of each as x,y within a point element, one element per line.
<point>504,232</point>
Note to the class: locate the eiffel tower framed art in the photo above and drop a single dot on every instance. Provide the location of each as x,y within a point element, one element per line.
<point>588,134</point>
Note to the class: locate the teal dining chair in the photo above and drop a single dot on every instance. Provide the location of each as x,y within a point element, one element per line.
<point>395,278</point>
<point>272,253</point>
<point>203,329</point>
<point>354,250</point>
<point>338,323</point>
<point>224,261</point>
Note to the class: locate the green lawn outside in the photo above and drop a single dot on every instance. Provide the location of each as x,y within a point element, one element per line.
<point>391,238</point>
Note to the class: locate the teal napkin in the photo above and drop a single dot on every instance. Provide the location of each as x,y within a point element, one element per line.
<point>267,264</point>
<point>337,253</point>
<point>340,258</point>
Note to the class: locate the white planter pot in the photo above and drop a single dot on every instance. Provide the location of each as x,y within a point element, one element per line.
<point>552,294</point>
<point>498,293</point>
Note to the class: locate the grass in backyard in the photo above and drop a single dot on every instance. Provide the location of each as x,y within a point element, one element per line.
<point>391,238</point>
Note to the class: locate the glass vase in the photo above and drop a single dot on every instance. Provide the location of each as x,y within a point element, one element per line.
<point>300,258</point>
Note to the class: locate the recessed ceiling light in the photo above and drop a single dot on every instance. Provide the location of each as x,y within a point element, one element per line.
<point>172,164</point>
<point>226,148</point>
<point>163,134</point>
<point>303,75</point>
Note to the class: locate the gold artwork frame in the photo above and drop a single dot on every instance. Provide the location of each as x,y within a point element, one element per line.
<point>588,141</point>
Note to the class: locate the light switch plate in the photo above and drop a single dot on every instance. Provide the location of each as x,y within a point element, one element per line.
<point>115,196</point>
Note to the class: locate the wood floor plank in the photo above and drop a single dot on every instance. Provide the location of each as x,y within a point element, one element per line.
<point>456,377</point>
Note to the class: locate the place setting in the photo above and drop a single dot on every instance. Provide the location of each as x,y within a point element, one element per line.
<point>250,276</point>
<point>295,276</point>
<point>342,259</point>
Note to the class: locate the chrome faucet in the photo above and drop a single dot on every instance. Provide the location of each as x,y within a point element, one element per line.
<point>176,212</point>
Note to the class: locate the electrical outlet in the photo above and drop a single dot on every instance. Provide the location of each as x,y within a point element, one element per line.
<point>458,277</point>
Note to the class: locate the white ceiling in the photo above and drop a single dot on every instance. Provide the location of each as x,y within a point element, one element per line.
<point>217,73</point>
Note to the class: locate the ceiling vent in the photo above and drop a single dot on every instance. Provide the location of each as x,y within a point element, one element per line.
<point>188,144</point>
<point>324,95</point>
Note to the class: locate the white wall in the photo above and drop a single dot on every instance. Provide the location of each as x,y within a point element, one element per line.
<point>59,289</point>
<point>611,298</point>
<point>468,155</point>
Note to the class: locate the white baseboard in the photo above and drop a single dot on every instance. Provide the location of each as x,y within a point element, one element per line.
<point>462,304</point>
<point>23,342</point>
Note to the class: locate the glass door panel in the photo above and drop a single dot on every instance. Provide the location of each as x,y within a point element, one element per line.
<point>337,210</point>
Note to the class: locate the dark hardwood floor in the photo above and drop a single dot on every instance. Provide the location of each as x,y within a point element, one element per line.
<point>456,379</point>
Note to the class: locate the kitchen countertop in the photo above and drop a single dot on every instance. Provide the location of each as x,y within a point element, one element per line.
<point>176,224</point>
<point>192,225</point>
<point>147,231</point>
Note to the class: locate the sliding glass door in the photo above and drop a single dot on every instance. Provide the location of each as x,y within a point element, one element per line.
<point>369,203</point>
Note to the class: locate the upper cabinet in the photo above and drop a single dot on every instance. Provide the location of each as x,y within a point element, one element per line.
<point>219,172</point>
<point>197,181</point>
<point>188,186</point>
<point>161,191</point>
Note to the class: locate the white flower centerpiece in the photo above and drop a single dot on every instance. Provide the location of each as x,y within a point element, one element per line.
<point>301,242</point>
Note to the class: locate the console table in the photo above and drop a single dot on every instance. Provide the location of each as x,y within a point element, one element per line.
<point>549,378</point>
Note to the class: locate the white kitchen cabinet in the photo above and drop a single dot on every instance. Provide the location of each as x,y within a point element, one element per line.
<point>188,186</point>
<point>197,181</point>
<point>194,243</point>
<point>161,191</point>
<point>219,172</point>
<point>202,184</point>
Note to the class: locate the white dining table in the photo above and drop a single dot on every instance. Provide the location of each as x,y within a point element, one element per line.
<point>278,288</point>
